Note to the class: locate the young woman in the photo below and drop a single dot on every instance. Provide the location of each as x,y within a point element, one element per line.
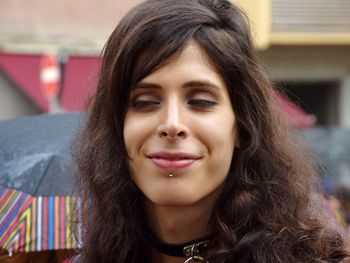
<point>183,157</point>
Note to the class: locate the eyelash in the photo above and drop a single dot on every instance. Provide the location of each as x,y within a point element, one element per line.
<point>139,104</point>
<point>199,103</point>
<point>202,103</point>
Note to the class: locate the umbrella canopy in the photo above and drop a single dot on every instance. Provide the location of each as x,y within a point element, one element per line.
<point>35,153</point>
<point>36,183</point>
<point>29,224</point>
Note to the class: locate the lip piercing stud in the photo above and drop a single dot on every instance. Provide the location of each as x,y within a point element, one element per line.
<point>171,174</point>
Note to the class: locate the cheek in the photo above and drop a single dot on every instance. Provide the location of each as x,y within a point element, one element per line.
<point>221,143</point>
<point>132,137</point>
<point>136,131</point>
<point>220,160</point>
<point>222,150</point>
<point>128,134</point>
<point>219,134</point>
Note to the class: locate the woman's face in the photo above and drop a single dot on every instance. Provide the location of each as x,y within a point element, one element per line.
<point>180,122</point>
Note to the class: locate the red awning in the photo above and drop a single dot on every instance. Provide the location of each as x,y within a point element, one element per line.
<point>24,72</point>
<point>295,115</point>
<point>79,80</point>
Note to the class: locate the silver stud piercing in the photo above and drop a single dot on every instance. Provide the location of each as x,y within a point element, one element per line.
<point>171,174</point>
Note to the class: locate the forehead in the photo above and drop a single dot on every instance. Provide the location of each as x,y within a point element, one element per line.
<point>191,63</point>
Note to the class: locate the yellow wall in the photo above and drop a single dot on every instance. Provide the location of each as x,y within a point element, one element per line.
<point>314,39</point>
<point>259,14</point>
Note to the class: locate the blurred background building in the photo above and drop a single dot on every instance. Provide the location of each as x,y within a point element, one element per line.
<point>304,45</point>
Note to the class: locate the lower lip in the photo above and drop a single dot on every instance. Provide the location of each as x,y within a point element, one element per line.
<point>172,164</point>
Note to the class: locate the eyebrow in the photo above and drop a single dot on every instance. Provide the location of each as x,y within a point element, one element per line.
<point>189,84</point>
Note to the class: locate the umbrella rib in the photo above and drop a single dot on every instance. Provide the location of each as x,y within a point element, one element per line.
<point>43,176</point>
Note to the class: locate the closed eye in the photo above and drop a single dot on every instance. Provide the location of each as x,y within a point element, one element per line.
<point>140,104</point>
<point>202,103</point>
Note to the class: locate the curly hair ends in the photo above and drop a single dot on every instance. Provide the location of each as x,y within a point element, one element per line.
<point>266,212</point>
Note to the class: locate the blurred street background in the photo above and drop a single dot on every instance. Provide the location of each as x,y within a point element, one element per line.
<point>49,59</point>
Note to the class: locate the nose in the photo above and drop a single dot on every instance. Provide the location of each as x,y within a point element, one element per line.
<point>172,125</point>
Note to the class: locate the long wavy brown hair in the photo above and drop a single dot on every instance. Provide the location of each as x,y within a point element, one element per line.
<point>266,212</point>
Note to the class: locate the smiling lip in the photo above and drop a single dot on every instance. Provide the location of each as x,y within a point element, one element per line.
<point>172,160</point>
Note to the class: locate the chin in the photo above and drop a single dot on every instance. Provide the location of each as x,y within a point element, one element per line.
<point>173,198</point>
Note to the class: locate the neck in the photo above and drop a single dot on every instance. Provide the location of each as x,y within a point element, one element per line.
<point>178,224</point>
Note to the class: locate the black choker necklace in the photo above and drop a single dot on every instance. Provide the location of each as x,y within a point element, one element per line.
<point>191,248</point>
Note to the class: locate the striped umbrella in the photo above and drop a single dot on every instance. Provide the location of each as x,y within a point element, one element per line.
<point>35,223</point>
<point>36,183</point>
